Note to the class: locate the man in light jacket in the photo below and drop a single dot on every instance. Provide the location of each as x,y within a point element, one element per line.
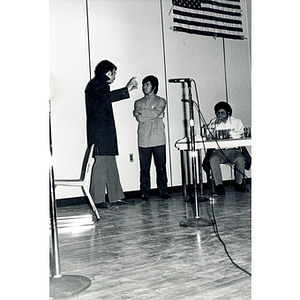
<point>149,112</point>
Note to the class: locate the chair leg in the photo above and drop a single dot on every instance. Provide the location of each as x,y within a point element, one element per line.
<point>87,193</point>
<point>212,182</point>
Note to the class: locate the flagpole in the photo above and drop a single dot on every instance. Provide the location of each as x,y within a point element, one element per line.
<point>225,72</point>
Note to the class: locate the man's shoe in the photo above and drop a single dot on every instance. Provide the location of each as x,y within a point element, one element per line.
<point>220,190</point>
<point>103,205</point>
<point>129,201</point>
<point>124,201</point>
<point>144,199</point>
<point>119,202</point>
<point>240,188</point>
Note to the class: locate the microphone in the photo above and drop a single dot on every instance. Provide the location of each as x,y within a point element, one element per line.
<point>176,80</point>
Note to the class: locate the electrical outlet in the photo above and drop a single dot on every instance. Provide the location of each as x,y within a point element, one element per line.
<point>131,157</point>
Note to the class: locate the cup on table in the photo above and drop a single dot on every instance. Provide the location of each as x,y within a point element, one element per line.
<point>222,134</point>
<point>209,132</point>
<point>247,132</point>
<point>226,133</point>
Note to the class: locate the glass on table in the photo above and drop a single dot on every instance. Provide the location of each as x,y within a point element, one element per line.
<point>247,132</point>
<point>222,134</point>
<point>209,131</point>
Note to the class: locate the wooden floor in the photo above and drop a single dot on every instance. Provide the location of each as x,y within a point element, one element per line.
<point>141,252</point>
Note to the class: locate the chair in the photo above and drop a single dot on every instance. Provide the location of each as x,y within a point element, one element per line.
<point>84,180</point>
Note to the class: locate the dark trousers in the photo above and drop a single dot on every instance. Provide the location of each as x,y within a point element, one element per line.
<point>159,154</point>
<point>235,156</point>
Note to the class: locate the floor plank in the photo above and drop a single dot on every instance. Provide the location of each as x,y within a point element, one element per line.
<point>140,251</point>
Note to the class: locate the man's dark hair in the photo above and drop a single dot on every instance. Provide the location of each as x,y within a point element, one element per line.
<point>154,82</point>
<point>104,66</point>
<point>225,105</point>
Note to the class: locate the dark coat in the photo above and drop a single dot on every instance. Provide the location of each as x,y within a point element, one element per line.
<point>101,129</point>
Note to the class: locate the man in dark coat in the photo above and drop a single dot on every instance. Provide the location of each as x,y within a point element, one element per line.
<point>101,131</point>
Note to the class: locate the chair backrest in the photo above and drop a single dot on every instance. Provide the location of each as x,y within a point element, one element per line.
<point>87,163</point>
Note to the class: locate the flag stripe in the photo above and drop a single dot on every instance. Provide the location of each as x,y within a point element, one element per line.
<point>222,3</point>
<point>206,16</point>
<point>207,25</point>
<point>219,18</point>
<point>207,33</point>
<point>212,30</point>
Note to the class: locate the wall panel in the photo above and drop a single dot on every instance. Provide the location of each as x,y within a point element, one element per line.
<point>68,77</point>
<point>128,33</point>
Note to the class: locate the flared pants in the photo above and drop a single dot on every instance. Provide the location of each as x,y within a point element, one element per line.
<point>105,174</point>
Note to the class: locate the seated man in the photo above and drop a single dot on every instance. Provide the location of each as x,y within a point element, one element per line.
<point>224,121</point>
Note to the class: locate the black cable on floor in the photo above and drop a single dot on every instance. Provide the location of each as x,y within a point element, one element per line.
<point>215,226</point>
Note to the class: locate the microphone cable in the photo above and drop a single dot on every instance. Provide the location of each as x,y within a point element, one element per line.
<point>213,219</point>
<point>216,231</point>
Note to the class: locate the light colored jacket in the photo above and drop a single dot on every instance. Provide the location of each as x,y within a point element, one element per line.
<point>149,112</point>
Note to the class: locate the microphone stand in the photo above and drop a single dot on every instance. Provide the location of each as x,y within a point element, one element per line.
<point>60,285</point>
<point>197,221</point>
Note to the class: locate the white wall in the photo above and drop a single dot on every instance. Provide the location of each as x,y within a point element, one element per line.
<point>129,33</point>
<point>68,74</point>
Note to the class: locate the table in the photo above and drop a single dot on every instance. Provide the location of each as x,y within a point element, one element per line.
<point>185,145</point>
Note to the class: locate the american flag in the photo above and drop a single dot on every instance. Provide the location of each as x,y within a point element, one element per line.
<point>217,18</point>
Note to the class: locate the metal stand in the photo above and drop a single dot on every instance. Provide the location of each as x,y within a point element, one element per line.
<point>61,285</point>
<point>197,221</point>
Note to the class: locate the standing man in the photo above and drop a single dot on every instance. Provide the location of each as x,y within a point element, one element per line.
<point>101,131</point>
<point>149,112</point>
<point>224,120</point>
